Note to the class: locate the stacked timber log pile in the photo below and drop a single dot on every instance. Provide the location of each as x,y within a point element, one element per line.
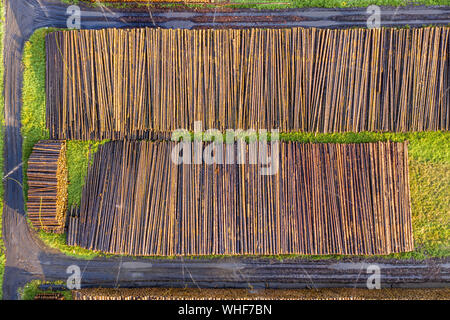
<point>47,186</point>
<point>162,1</point>
<point>323,199</point>
<point>145,83</point>
<point>73,214</point>
<point>271,294</point>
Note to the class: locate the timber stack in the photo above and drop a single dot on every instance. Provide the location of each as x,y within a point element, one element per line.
<point>47,186</point>
<point>319,199</point>
<point>146,83</point>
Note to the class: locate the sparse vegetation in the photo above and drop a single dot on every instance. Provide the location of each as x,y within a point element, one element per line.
<point>33,97</point>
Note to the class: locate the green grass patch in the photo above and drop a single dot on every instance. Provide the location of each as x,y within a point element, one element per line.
<point>273,5</point>
<point>429,171</point>
<point>58,241</point>
<point>31,289</point>
<point>33,98</point>
<point>423,146</point>
<point>79,154</point>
